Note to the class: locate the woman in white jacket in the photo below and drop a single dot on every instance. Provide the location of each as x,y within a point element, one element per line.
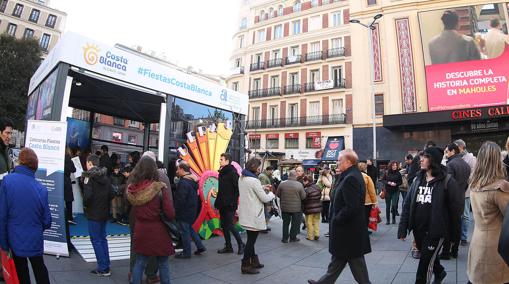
<point>251,215</point>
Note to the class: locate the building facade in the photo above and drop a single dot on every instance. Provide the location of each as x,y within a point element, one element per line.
<point>32,19</point>
<point>293,58</point>
<point>427,88</point>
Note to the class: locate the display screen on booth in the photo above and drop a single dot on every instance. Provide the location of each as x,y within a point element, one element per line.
<point>465,53</point>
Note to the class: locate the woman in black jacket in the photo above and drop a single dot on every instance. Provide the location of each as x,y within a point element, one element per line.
<point>392,181</point>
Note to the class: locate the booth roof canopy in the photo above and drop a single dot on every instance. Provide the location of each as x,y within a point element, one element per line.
<point>99,96</point>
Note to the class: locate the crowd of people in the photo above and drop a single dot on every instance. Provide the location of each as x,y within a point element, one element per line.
<point>440,190</point>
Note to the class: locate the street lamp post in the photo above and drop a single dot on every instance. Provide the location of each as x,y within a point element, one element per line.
<point>371,27</point>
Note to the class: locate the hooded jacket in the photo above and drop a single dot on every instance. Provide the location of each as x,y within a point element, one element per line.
<point>97,194</point>
<point>228,194</point>
<point>186,199</point>
<point>446,202</point>
<point>151,237</point>
<point>24,213</point>
<point>312,203</point>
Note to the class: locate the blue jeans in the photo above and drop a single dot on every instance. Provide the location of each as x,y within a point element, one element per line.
<point>188,233</point>
<point>141,263</point>
<point>465,220</point>
<point>97,231</point>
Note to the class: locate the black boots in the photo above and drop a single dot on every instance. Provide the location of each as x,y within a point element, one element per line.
<point>256,262</point>
<point>393,219</point>
<point>226,249</point>
<point>247,266</point>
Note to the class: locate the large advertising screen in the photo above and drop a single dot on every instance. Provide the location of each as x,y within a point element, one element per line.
<point>466,56</point>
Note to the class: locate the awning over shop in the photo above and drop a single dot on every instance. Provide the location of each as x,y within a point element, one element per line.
<point>310,163</point>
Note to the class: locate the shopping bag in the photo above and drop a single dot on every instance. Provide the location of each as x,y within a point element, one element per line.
<point>373,218</point>
<point>8,268</point>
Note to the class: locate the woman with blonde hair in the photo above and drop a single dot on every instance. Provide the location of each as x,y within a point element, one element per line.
<point>489,198</point>
<point>370,199</point>
<point>324,183</point>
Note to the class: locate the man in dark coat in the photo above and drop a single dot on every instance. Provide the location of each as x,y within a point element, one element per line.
<point>349,240</point>
<point>97,196</point>
<point>186,206</point>
<point>105,161</point>
<point>227,202</point>
<point>460,171</point>
<point>372,171</point>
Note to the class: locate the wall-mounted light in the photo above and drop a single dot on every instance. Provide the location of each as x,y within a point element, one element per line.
<point>77,83</point>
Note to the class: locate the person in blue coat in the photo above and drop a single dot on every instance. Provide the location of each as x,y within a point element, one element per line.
<point>24,215</point>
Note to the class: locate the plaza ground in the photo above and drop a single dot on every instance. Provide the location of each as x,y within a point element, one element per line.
<point>389,262</point>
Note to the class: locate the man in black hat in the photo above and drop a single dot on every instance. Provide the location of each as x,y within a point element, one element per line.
<point>428,212</point>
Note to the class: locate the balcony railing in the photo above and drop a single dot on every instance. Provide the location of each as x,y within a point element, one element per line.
<point>311,56</point>
<point>336,52</point>
<point>263,93</point>
<point>257,66</point>
<point>278,62</point>
<point>293,89</point>
<point>293,59</point>
<point>339,84</point>
<point>297,121</point>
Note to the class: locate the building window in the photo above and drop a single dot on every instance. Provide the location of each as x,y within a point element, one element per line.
<point>118,121</point>
<point>116,137</point>
<point>337,18</point>
<point>314,3</point>
<point>315,23</point>
<point>133,123</point>
<point>257,84</point>
<point>11,29</point>
<point>51,21</point>
<point>297,6</point>
<point>274,81</point>
<point>255,114</point>
<point>371,2</point>
<point>293,114</point>
<point>29,33</point>
<point>235,86</point>
<point>238,62</point>
<point>379,104</point>
<point>272,144</point>
<point>296,27</point>
<point>273,116</point>
<point>3,5</point>
<point>279,10</point>
<point>243,23</point>
<point>241,41</point>
<point>45,39</point>
<point>337,42</point>
<point>314,113</point>
<point>292,143</point>
<point>294,78</point>
<point>18,9</point>
<point>254,142</point>
<point>313,143</point>
<point>324,2</point>
<point>271,13</point>
<point>131,139</point>
<point>294,50</point>
<point>261,36</point>
<point>34,15</point>
<point>337,107</point>
<point>278,31</point>
<point>314,76</point>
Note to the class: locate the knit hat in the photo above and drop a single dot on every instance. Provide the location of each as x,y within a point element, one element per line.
<point>436,154</point>
<point>28,158</point>
<point>150,154</point>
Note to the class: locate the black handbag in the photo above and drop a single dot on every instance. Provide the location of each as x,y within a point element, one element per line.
<point>171,225</point>
<point>503,242</point>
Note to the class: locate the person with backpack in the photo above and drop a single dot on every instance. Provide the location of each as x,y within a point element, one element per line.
<point>430,204</point>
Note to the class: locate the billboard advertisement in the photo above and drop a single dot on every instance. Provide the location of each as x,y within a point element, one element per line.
<point>466,53</point>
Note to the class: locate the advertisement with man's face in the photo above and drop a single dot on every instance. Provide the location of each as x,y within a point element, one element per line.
<point>467,62</point>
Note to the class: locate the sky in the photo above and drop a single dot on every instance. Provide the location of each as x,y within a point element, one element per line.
<point>190,33</point>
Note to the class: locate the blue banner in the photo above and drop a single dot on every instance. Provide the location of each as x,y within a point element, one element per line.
<point>335,144</point>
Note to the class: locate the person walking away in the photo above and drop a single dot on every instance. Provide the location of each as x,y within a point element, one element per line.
<point>97,196</point>
<point>227,203</point>
<point>427,212</point>
<point>392,181</point>
<point>105,160</point>
<point>291,192</point>
<point>372,171</point>
<point>312,208</point>
<point>370,199</point>
<point>151,238</point>
<point>252,197</point>
<point>460,171</point>
<point>24,215</point>
<point>324,184</point>
<point>466,219</point>
<point>186,207</point>
<point>266,179</point>
<point>118,182</point>
<point>490,197</point>
<point>349,240</point>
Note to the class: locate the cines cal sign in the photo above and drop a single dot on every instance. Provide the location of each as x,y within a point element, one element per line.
<point>92,55</point>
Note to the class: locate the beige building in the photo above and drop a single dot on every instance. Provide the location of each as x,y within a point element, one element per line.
<point>410,107</point>
<point>293,58</point>
<point>27,19</point>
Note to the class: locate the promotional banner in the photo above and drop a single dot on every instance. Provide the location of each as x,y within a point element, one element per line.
<point>47,139</point>
<point>466,55</point>
<point>335,144</point>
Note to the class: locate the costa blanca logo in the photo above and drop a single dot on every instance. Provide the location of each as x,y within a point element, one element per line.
<point>91,54</point>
